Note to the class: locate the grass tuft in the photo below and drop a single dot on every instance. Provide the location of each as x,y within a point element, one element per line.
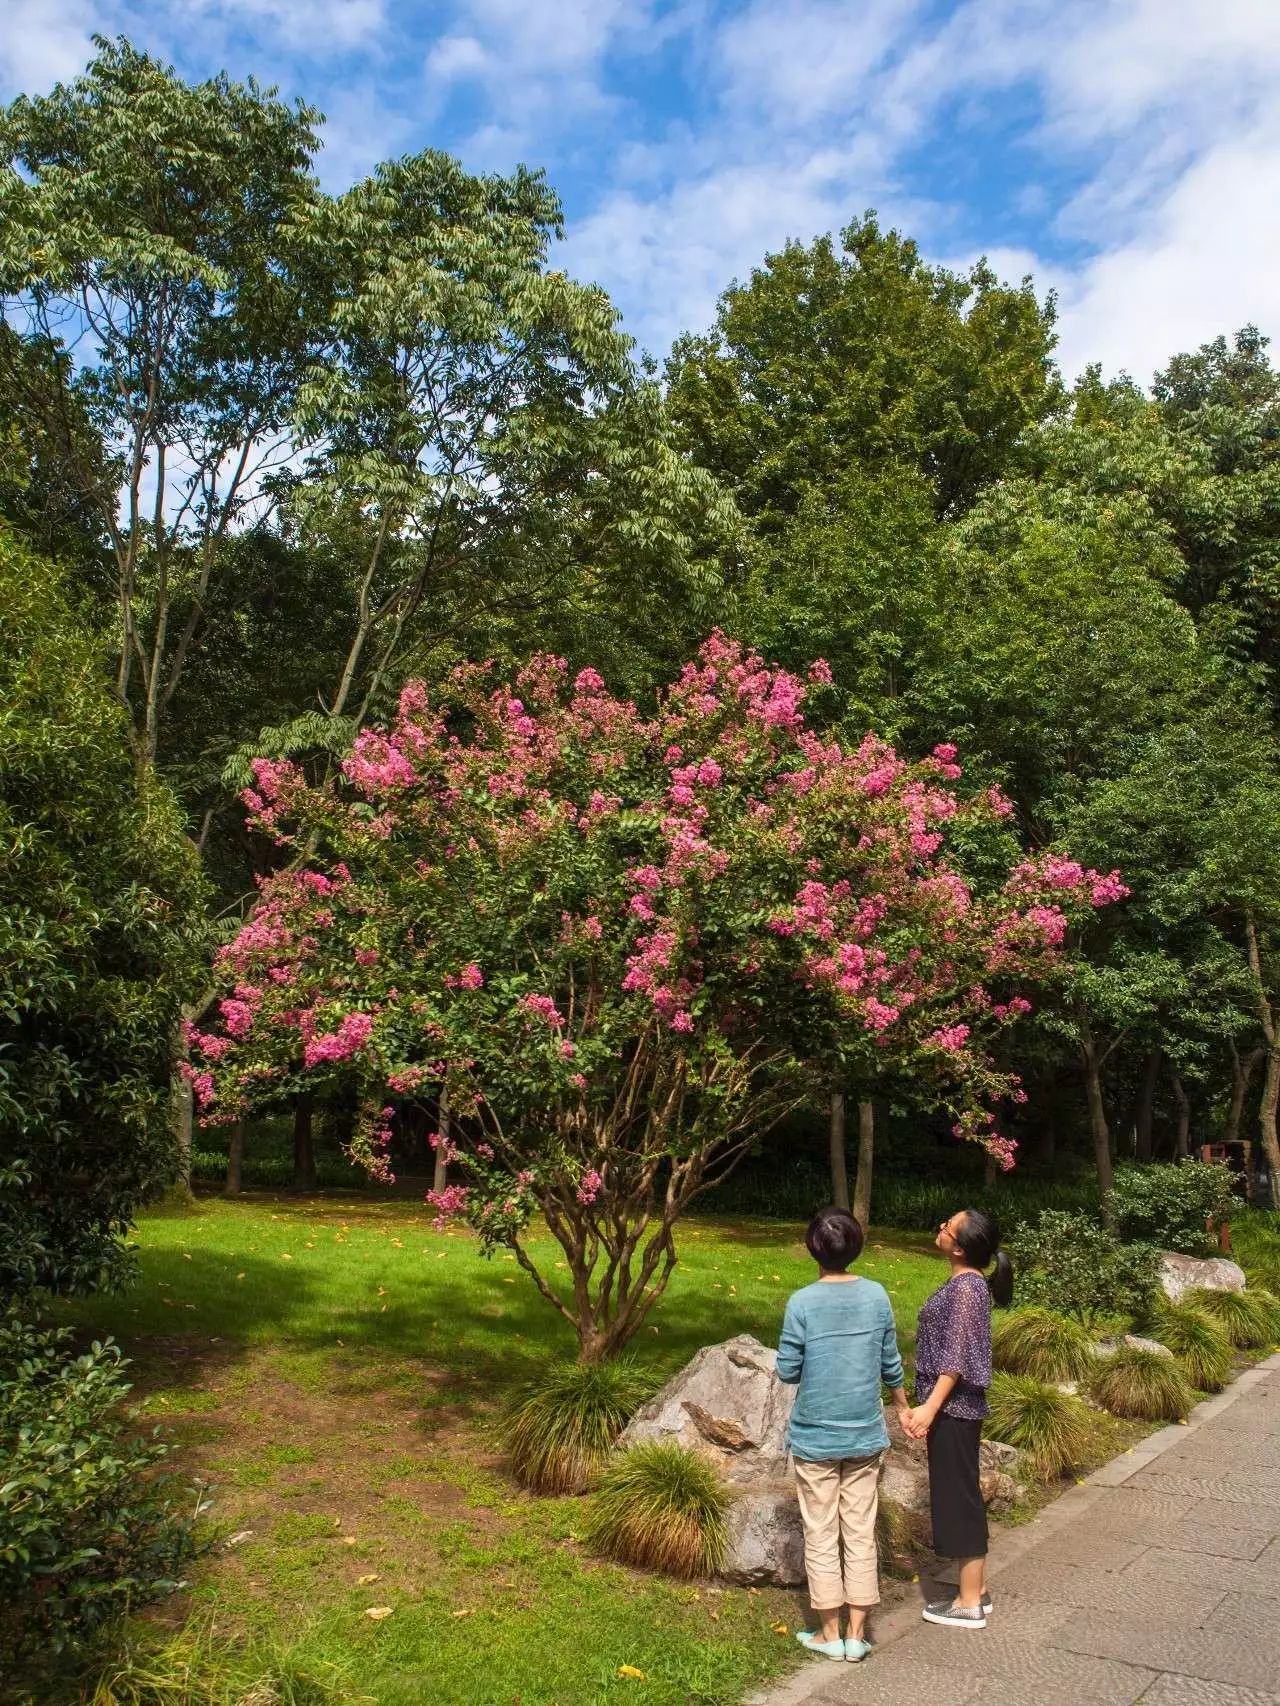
<point>664,1508</point>
<point>562,1424</point>
<point>1142,1384</point>
<point>1197,1341</point>
<point>895,1538</point>
<point>196,1668</point>
<point>1052,1428</point>
<point>1044,1345</point>
<point>1250,1319</point>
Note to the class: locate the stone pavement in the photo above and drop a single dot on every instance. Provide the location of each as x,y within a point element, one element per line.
<point>1157,1580</point>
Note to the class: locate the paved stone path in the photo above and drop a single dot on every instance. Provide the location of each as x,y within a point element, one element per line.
<point>1157,1580</point>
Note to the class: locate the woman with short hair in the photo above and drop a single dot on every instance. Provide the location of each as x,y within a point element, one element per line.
<point>953,1372</point>
<point>838,1343</point>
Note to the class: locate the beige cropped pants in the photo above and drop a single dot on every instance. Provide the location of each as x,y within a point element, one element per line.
<point>838,1508</point>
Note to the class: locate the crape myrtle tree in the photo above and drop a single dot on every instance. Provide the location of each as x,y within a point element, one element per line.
<point>627,946</point>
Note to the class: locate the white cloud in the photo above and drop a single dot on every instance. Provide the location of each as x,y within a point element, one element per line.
<point>44,42</point>
<point>802,61</point>
<point>456,56</point>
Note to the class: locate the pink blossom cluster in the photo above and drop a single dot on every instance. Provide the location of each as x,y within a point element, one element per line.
<point>589,1186</point>
<point>330,1047</point>
<point>448,1203</point>
<point>543,1007</point>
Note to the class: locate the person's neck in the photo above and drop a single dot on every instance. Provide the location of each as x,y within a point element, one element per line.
<point>960,1266</point>
<point>825,1274</point>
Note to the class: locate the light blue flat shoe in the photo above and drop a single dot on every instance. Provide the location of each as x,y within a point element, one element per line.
<point>855,1650</point>
<point>826,1649</point>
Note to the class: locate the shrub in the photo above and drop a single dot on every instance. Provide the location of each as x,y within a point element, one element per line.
<point>1051,1427</point>
<point>1248,1318</point>
<point>86,1529</point>
<point>1169,1206</point>
<point>1038,1342</point>
<point>662,1507</point>
<point>1198,1342</point>
<point>560,1427</point>
<point>1142,1384</point>
<point>1070,1263</point>
<point>1255,1244</point>
<point>101,916</point>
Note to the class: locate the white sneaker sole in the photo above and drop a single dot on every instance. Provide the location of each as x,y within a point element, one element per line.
<point>950,1622</point>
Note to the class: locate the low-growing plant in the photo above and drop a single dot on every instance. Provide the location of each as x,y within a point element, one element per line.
<point>1141,1384</point>
<point>197,1668</point>
<point>1255,1244</point>
<point>1038,1342</point>
<point>87,1530</point>
<point>1172,1205</point>
<point>1198,1342</point>
<point>1070,1263</point>
<point>662,1507</point>
<point>562,1424</point>
<point>1050,1427</point>
<point>1250,1319</point>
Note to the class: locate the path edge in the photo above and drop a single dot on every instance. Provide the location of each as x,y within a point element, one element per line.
<point>1010,1544</point>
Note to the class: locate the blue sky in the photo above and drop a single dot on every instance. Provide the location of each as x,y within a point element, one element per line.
<point>1125,152</point>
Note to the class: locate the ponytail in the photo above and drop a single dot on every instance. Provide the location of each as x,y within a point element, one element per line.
<point>978,1237</point>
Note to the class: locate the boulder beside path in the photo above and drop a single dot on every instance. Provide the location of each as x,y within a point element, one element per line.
<point>729,1405</point>
<point>1180,1274</point>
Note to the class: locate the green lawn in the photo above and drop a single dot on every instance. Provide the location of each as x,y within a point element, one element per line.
<point>333,1366</point>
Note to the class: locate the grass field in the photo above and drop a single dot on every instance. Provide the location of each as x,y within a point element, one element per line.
<point>332,1368</point>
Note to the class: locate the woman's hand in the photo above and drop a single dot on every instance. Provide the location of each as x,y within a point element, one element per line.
<point>916,1423</point>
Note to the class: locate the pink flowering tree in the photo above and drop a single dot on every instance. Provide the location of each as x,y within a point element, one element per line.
<point>627,946</point>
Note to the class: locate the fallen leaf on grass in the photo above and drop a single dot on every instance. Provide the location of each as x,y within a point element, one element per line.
<point>378,1612</point>
<point>239,1539</point>
<point>468,1612</point>
<point>239,1276</point>
<point>348,1540</point>
<point>285,1256</point>
<point>367,1581</point>
<point>630,1670</point>
<point>779,1628</point>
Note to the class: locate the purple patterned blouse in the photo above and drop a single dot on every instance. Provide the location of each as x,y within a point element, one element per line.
<point>953,1336</point>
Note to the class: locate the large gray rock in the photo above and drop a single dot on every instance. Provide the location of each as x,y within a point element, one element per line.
<point>1130,1342</point>
<point>729,1405</point>
<point>1180,1274</point>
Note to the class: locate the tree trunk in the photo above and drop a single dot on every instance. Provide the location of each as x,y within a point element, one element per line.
<point>866,1163</point>
<point>1097,1116</point>
<point>304,1155</point>
<point>441,1178</point>
<point>235,1160</point>
<point>1242,1072</point>
<point>1182,1142</point>
<point>1146,1107</point>
<point>839,1166</point>
<point>1271,1078</point>
<point>183,1119</point>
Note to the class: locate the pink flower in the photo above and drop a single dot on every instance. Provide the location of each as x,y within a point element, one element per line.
<point>567,1050</point>
<point>351,1036</point>
<point>578,1081</point>
<point>639,907</point>
<point>710,773</point>
<point>950,1038</point>
<point>588,681</point>
<point>681,1020</point>
<point>471,977</point>
<point>544,1008</point>
<point>366,956</point>
<point>589,1186</point>
<point>820,672</point>
<point>448,1203</point>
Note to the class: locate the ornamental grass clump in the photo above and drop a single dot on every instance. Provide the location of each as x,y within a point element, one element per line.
<point>1197,1341</point>
<point>1051,1428</point>
<point>664,1508</point>
<point>1143,1385</point>
<point>1250,1319</point>
<point>562,1424</point>
<point>1039,1343</point>
<point>895,1537</point>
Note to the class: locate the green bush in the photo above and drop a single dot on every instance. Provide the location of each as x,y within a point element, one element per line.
<point>561,1425</point>
<point>1052,1428</point>
<point>1255,1244</point>
<point>664,1508</point>
<point>1197,1341</point>
<point>1141,1384</point>
<point>101,922</point>
<point>1072,1264</point>
<point>1170,1205</point>
<point>1248,1318</point>
<point>1047,1346</point>
<point>86,1528</point>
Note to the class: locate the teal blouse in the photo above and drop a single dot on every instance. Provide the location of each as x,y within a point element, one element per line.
<point>838,1343</point>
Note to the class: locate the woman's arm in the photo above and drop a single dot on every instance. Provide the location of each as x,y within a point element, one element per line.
<point>916,1423</point>
<point>791,1346</point>
<point>891,1370</point>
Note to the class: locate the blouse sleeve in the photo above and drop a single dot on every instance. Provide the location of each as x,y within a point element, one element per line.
<point>891,1370</point>
<point>966,1337</point>
<point>791,1345</point>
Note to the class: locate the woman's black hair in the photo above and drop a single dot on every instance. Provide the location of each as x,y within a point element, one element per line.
<point>978,1237</point>
<point>834,1239</point>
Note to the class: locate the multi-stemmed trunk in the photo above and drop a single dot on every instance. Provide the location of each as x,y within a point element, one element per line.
<point>839,1162</point>
<point>304,1154</point>
<point>1271,1077</point>
<point>866,1162</point>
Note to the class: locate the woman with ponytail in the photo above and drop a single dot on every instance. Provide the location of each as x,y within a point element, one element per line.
<point>953,1372</point>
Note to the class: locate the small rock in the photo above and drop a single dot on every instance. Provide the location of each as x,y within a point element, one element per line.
<point>766,1541</point>
<point>1180,1274</point>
